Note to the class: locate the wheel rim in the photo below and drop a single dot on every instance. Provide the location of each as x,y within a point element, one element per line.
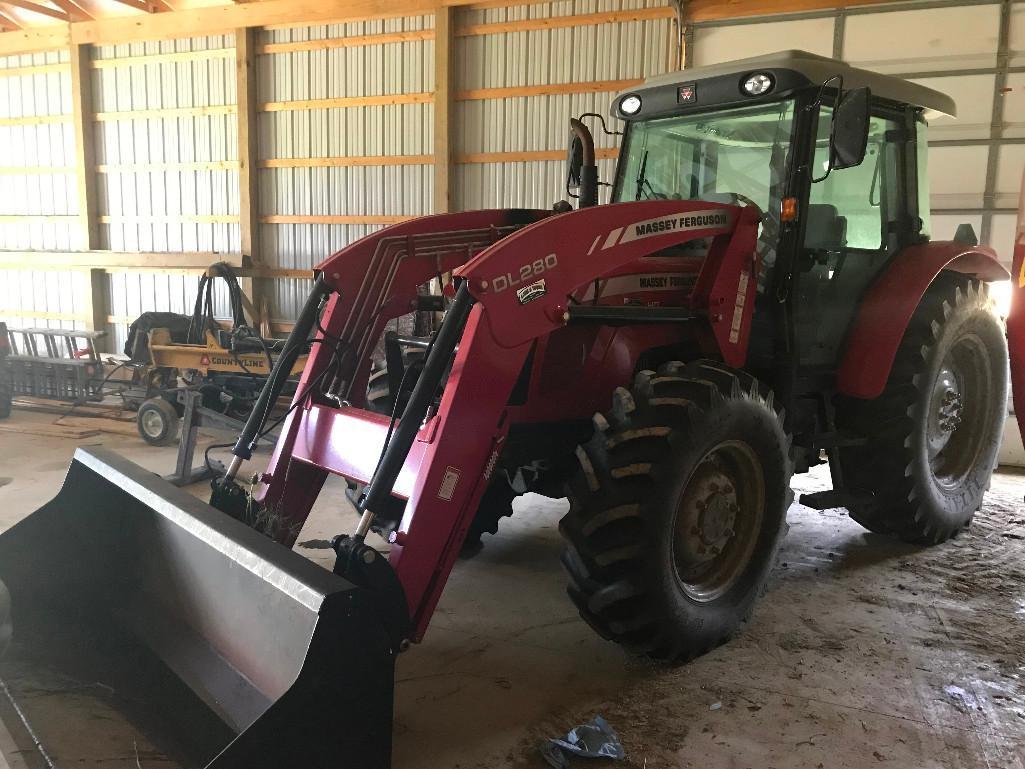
<point>958,411</point>
<point>152,423</point>
<point>718,520</point>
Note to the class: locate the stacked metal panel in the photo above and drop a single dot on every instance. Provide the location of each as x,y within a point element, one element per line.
<point>38,191</point>
<point>167,149</point>
<point>587,53</point>
<point>362,162</point>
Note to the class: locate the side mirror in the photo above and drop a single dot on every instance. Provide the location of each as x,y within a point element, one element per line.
<point>849,135</point>
<point>574,162</point>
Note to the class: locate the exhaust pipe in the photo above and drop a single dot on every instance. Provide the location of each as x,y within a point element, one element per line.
<point>168,626</point>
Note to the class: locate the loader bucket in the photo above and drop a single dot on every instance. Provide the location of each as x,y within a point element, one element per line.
<point>148,628</point>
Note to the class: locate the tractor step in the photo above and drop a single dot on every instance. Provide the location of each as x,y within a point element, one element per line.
<point>827,500</point>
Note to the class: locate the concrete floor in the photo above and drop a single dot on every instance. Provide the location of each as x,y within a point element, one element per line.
<point>863,652</point>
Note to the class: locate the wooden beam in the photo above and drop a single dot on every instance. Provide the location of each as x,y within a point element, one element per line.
<point>345,162</point>
<point>165,114</point>
<point>168,219</point>
<point>211,20</point>
<point>347,101</point>
<point>602,153</point>
<point>712,10</point>
<point>43,10</point>
<point>85,146</point>
<point>355,41</point>
<point>164,58</point>
<point>552,89</point>
<point>38,69</point>
<point>198,165</point>
<point>33,39</point>
<point>444,77</point>
<point>34,119</point>
<point>332,219</point>
<point>35,171</point>
<point>125,260</point>
<point>563,22</point>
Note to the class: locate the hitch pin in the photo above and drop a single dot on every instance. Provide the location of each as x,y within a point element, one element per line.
<point>363,527</point>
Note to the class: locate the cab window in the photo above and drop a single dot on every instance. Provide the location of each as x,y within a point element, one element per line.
<point>852,208</point>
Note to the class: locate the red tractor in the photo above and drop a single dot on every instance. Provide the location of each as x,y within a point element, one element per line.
<point>760,296</point>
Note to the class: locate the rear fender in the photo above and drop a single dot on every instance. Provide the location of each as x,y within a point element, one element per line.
<point>887,307</point>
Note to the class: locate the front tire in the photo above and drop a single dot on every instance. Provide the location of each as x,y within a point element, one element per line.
<point>677,510</point>
<point>6,391</point>
<point>935,431</point>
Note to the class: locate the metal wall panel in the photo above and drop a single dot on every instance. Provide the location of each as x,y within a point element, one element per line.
<point>154,201</point>
<point>617,51</point>
<point>403,129</point>
<point>37,181</point>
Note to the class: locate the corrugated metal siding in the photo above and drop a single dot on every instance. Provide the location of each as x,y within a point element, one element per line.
<point>49,197</point>
<point>403,129</point>
<point>616,51</point>
<point>146,205</point>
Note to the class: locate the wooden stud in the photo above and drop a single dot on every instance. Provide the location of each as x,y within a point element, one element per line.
<point>598,86</point>
<point>343,162</point>
<point>246,41</point>
<point>444,77</point>
<point>347,101</point>
<point>115,260</point>
<point>168,219</point>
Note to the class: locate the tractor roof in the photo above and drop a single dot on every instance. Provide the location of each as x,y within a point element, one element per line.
<point>790,69</point>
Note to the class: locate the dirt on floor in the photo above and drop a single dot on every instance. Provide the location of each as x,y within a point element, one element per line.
<point>864,652</point>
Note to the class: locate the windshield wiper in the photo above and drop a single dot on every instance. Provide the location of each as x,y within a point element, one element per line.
<point>642,182</point>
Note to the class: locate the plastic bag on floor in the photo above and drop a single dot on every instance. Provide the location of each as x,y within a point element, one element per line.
<point>595,739</point>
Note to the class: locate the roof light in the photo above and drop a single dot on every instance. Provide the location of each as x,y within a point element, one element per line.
<point>758,84</point>
<point>630,105</point>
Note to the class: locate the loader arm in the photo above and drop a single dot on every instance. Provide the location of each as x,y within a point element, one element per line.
<point>447,464</point>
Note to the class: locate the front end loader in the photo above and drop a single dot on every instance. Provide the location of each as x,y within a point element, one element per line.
<point>760,295</point>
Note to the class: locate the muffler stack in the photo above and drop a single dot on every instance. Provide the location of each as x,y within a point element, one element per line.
<point>143,619</point>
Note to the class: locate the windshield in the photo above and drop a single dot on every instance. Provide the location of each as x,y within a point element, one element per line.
<point>729,156</point>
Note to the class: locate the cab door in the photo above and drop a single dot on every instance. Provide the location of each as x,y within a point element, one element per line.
<point>854,221</point>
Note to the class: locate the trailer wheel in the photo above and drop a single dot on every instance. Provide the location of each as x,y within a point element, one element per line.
<point>157,422</point>
<point>935,430</point>
<point>677,510</point>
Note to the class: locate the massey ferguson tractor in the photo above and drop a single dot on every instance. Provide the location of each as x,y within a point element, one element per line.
<point>760,295</point>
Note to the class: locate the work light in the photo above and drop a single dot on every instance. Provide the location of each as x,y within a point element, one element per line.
<point>630,105</point>
<point>758,84</point>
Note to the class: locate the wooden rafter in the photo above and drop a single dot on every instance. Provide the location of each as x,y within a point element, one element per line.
<point>147,6</point>
<point>74,10</point>
<point>7,23</point>
<point>45,10</point>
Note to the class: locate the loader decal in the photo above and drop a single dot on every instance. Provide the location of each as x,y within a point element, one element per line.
<point>531,292</point>
<point>738,307</point>
<point>449,481</point>
<point>526,272</point>
<point>693,220</point>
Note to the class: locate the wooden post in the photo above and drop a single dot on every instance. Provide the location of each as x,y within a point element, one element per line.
<point>444,18</point>
<point>82,112</point>
<point>248,150</point>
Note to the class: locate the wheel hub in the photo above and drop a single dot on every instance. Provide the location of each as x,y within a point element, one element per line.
<point>152,423</point>
<point>708,514</point>
<point>947,410</point>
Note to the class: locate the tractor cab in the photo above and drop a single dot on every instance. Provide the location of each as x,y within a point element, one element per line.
<point>834,157</point>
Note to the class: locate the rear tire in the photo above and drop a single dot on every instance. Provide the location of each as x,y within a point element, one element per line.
<point>677,510</point>
<point>935,430</point>
<point>158,422</point>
